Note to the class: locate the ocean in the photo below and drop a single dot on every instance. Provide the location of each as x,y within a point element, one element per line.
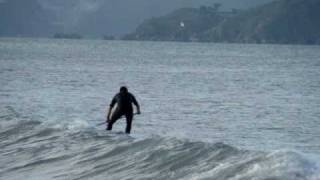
<point>209,111</point>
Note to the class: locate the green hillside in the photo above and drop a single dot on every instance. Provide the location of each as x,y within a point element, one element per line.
<point>185,24</point>
<point>282,21</point>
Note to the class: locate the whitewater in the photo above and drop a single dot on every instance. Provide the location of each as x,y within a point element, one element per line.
<point>209,111</point>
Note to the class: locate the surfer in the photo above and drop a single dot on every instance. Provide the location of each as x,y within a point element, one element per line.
<point>124,100</point>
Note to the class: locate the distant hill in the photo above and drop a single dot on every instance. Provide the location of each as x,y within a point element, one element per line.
<point>185,24</point>
<point>282,21</point>
<point>100,18</point>
<point>91,18</point>
<point>285,21</point>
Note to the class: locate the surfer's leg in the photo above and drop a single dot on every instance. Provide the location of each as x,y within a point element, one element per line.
<point>129,118</point>
<point>115,116</point>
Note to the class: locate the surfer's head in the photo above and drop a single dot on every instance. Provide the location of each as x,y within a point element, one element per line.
<point>123,89</point>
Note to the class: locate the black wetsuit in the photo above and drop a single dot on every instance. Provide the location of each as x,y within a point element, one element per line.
<point>124,107</point>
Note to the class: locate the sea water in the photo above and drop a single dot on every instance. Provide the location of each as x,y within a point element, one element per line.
<point>209,111</point>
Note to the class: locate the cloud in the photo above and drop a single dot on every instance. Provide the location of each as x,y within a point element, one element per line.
<point>89,5</point>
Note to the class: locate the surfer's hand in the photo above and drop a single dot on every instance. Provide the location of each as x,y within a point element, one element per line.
<point>138,112</point>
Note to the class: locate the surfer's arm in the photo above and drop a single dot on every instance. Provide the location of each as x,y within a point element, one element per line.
<point>135,102</point>
<point>113,102</point>
<point>109,113</point>
<point>138,109</point>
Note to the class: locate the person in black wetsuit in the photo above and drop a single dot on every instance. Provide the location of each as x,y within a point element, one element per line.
<point>124,100</point>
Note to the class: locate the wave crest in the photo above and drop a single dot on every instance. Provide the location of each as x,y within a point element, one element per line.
<point>59,153</point>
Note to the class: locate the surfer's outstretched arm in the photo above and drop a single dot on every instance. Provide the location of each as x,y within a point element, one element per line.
<point>135,102</point>
<point>113,102</point>
<point>109,113</point>
<point>138,109</point>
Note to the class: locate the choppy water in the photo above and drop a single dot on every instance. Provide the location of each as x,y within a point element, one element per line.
<point>209,111</point>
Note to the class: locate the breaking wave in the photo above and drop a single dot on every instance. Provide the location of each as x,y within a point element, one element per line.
<point>35,150</point>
